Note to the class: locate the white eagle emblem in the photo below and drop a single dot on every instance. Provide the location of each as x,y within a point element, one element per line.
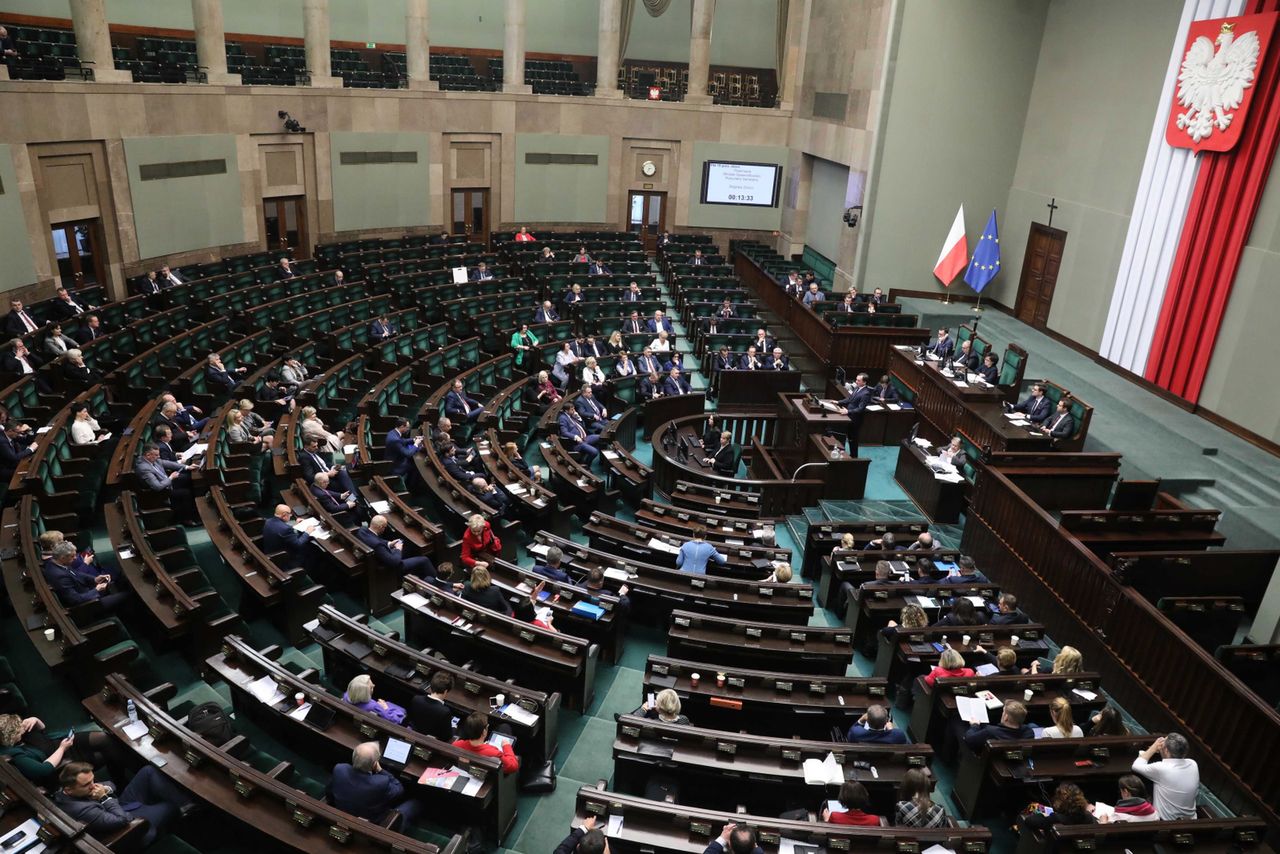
<point>1212,84</point>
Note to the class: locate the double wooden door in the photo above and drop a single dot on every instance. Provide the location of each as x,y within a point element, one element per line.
<point>1040,267</point>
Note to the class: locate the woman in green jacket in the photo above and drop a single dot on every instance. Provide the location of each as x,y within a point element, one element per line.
<point>522,342</point>
<point>37,755</point>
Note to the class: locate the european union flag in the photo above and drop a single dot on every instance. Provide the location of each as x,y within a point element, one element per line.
<point>985,263</point>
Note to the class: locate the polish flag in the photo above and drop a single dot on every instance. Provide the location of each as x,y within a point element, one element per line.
<point>955,252</point>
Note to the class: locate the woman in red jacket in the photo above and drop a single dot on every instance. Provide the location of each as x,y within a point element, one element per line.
<point>951,663</point>
<point>855,800</point>
<point>479,542</point>
<point>473,736</point>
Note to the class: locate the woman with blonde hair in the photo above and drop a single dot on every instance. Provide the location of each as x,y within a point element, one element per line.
<point>950,665</point>
<point>846,543</point>
<point>479,542</point>
<point>1064,726</point>
<point>360,694</point>
<point>310,424</point>
<point>781,573</point>
<point>592,374</point>
<point>237,432</point>
<point>512,450</point>
<point>1068,660</point>
<point>480,591</point>
<point>614,344</point>
<point>666,708</point>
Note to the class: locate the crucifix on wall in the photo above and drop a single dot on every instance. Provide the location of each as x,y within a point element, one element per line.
<point>1052,206</point>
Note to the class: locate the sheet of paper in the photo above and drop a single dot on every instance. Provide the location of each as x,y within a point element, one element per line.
<point>925,601</point>
<point>610,455</point>
<point>135,730</point>
<point>616,574</point>
<point>614,826</point>
<point>1088,695</point>
<point>978,601</point>
<point>894,407</point>
<point>825,771</point>
<point>986,669</point>
<point>397,750</point>
<point>266,690</point>
<point>380,506</point>
<point>835,806</point>
<point>655,543</point>
<point>300,713</point>
<point>949,477</point>
<point>125,554</point>
<point>972,709</point>
<point>937,849</point>
<point>992,701</point>
<point>874,407</point>
<point>539,549</point>
<point>923,443</point>
<point>349,449</point>
<point>413,600</point>
<point>516,489</point>
<point>518,714</point>
<point>23,834</point>
<point>1101,810</point>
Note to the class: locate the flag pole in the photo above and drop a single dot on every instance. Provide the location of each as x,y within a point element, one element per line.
<point>978,307</point>
<point>946,290</point>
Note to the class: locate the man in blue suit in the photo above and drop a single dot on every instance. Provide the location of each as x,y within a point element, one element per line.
<point>659,323</point>
<point>481,273</point>
<point>279,536</point>
<point>944,346</point>
<point>576,436</point>
<point>633,293</point>
<point>675,384</point>
<point>365,790</point>
<point>382,329</point>
<point>1036,407</point>
<point>855,406</point>
<point>460,407</point>
<point>1062,424</point>
<point>876,727</point>
<point>550,567</point>
<point>546,314</point>
<point>400,449</point>
<point>648,363</point>
<point>76,588</point>
<point>313,461</point>
<point>969,573</point>
<point>333,502</point>
<point>593,413</point>
<point>751,360</point>
<point>390,553</point>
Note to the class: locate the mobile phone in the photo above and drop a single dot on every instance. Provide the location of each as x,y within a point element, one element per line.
<point>71,733</point>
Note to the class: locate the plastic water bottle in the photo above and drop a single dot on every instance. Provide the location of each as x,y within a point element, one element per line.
<point>132,710</point>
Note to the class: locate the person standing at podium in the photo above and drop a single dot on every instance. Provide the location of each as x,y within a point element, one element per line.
<point>855,406</point>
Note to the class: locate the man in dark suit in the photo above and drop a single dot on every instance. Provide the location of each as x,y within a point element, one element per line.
<point>968,573</point>
<point>400,449</point>
<point>884,392</point>
<point>162,435</point>
<point>726,310</point>
<point>313,461</point>
<point>336,503</point>
<point>594,415</point>
<point>850,304</point>
<point>735,839</point>
<point>284,270</point>
<point>168,278</point>
<point>575,434</point>
<point>181,437</point>
<point>546,314</point>
<point>697,260</point>
<point>550,566</point>
<point>633,294</point>
<point>650,386</point>
<point>90,330</point>
<point>722,462</point>
<point>493,497</point>
<point>390,553</point>
<point>633,325</point>
<point>18,360</point>
<point>382,329</point>
<point>597,268</point>
<point>12,450</point>
<point>943,347</point>
<point>481,273</point>
<point>586,838</point>
<point>778,361</point>
<point>365,790</point>
<point>660,323</point>
<point>429,713</point>
<point>172,479</point>
<point>459,406</point>
<point>1036,406</point>
<point>723,361</point>
<point>877,297</point>
<point>455,464</point>
<point>876,727</point>
<point>279,536</point>
<point>1062,424</point>
<point>149,285</point>
<point>77,588</point>
<point>675,383</point>
<point>763,342</point>
<point>222,377</point>
<point>1008,612</point>
<point>855,406</point>
<point>964,358</point>
<point>751,361</point>
<point>1012,726</point>
<point>64,307</point>
<point>18,321</point>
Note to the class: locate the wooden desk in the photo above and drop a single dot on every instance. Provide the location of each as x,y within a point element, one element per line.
<point>1202,835</point>
<point>608,632</point>
<point>803,649</point>
<point>799,418</point>
<point>939,500</point>
<point>709,499</point>
<point>23,800</point>
<point>822,538</point>
<point>875,605</point>
<point>906,653</point>
<point>658,548</point>
<point>1216,572</point>
<point>754,389</point>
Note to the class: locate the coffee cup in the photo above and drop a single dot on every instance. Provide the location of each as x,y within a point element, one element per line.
<point>1027,695</point>
<point>719,680</point>
<point>1013,639</point>
<point>497,701</point>
<point>693,679</point>
<point>966,639</point>
<point>300,698</point>
<point>50,634</point>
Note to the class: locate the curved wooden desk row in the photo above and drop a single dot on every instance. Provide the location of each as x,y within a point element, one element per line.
<point>22,801</point>
<point>727,529</point>
<point>821,538</point>
<point>606,630</point>
<point>262,800</point>
<point>651,545</point>
<point>657,590</point>
<point>800,649</point>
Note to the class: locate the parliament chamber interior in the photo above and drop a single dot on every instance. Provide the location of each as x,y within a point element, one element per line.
<point>542,425</point>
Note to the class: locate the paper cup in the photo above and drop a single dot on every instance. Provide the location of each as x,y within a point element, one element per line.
<point>50,634</point>
<point>693,679</point>
<point>1028,694</point>
<point>300,698</point>
<point>966,639</point>
<point>719,680</point>
<point>1013,639</point>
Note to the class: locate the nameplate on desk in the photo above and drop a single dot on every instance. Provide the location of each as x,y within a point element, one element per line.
<point>974,846</point>
<point>471,687</point>
<point>379,649</point>
<point>908,846</point>
<point>986,638</point>
<point>300,817</point>
<point>843,639</point>
<point>595,808</point>
<point>838,843</point>
<point>569,648</point>
<point>784,687</point>
<point>767,592</point>
<point>683,622</point>
<point>880,595</point>
<point>789,755</point>
<point>753,633</point>
<point>697,583</point>
<point>817,688</point>
<point>631,731</point>
<point>1102,754</point>
<point>683,517</point>
<point>243,787</point>
<point>962,690</point>
<point>876,690</point>
<point>915,760</point>
<point>660,669</point>
<point>528,637</point>
<point>1013,756</point>
<point>192,757</point>
<point>341,834</point>
<point>1036,686</point>
<point>700,828</point>
<point>771,839</point>
<point>745,553</point>
<point>798,637</point>
<point>726,747</point>
<point>737,682</point>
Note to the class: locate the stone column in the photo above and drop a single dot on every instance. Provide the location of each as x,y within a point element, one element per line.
<point>789,76</point>
<point>417,45</point>
<point>211,41</point>
<point>607,49</point>
<point>513,50</point>
<point>315,31</point>
<point>93,40</point>
<point>700,51</point>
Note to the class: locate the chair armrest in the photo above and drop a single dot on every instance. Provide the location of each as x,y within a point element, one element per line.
<point>129,837</point>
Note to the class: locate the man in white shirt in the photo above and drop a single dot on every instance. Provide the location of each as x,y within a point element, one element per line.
<point>1175,778</point>
<point>168,278</point>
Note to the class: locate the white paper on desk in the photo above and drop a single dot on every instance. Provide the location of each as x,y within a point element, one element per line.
<point>937,849</point>
<point>932,357</point>
<point>300,713</point>
<point>821,772</point>
<point>835,806</point>
<point>539,502</point>
<point>610,455</point>
<point>1088,695</point>
<point>655,543</point>
<point>978,601</point>
<point>893,407</point>
<point>972,709</point>
<point>193,451</point>
<point>349,449</point>
<point>614,826</point>
<point>135,730</point>
<point>986,669</point>
<point>519,714</point>
<point>125,554</point>
<point>960,384</point>
<point>949,477</point>
<point>616,574</point>
<point>992,701</point>
<point>730,542</point>
<point>874,407</point>
<point>380,506</point>
<point>40,431</point>
<point>1013,416</point>
<point>266,690</point>
<point>545,445</point>
<point>923,443</point>
<point>1101,811</point>
<point>925,601</point>
<point>321,533</point>
<point>515,489</point>
<point>762,533</point>
<point>305,525</point>
<point>539,549</point>
<point>25,832</point>
<point>473,784</point>
<point>412,600</point>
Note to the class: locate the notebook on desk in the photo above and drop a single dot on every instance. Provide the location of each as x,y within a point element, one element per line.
<point>324,634</point>
<point>358,649</point>
<point>400,671</point>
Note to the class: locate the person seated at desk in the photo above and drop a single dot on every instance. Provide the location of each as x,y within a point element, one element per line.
<point>675,360</point>
<point>360,694</point>
<point>964,359</point>
<point>594,583</point>
<point>36,756</point>
<point>280,536</point>
<point>989,373</point>
<point>963,613</point>
<point>614,345</point>
<point>1064,725</point>
<point>1107,721</point>
<point>74,587</point>
<point>172,479</point>
<point>813,295</point>
<point>1131,803</point>
<point>390,553</point>
<point>661,344</point>
<point>953,455</point>
<point>884,575</point>
<point>723,361</point>
<point>923,570</point>
<point>665,708</point>
<point>550,566</point>
<point>943,347</point>
<point>711,432</point>
<point>726,310</point>
<point>722,461</point>
<point>314,461</point>
<point>648,363</point>
<point>546,394</point>
<point>571,298</point>
<point>1060,425</point>
<point>481,273</point>
<point>598,268</point>
<point>1012,726</point>
<point>624,367</point>
<point>593,375</point>
<point>950,666</point>
<point>332,502</point>
<point>366,790</point>
<point>633,293</point>
<point>1036,407</point>
<point>430,713</point>
<point>751,361</point>
<point>581,256</point>
<point>586,838</point>
<point>923,542</point>
<point>1175,778</point>
<point>633,325</point>
<point>883,392</point>
<point>473,737</point>
<point>778,361</point>
<point>382,329</point>
<point>675,383</point>
<point>910,617</point>
<point>1007,611</point>
<point>481,591</point>
<point>886,542</point>
<point>1005,661</point>
<point>1068,660</point>
<point>458,405</point>
<point>547,255</point>
<point>968,573</point>
<point>1069,805</point>
<point>763,343</point>
<point>915,808</point>
<point>650,386</point>
<point>660,323</point>
<point>150,795</point>
<point>850,304</point>
<point>855,800</point>
<point>695,553</point>
<point>576,436</point>
<point>735,839</point>
<point>400,449</point>
<point>546,313</point>
<point>492,497</point>
<point>781,573</point>
<point>512,451</point>
<point>876,727</point>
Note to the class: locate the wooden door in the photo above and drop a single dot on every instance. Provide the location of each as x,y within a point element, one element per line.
<point>1040,267</point>
<point>77,247</point>
<point>647,216</point>
<point>284,222</point>
<point>471,214</point>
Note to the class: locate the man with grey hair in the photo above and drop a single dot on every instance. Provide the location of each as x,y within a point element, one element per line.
<point>550,567</point>
<point>390,553</point>
<point>364,789</point>
<point>76,588</point>
<point>1175,778</point>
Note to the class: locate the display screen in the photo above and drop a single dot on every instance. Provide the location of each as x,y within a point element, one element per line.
<point>751,184</point>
